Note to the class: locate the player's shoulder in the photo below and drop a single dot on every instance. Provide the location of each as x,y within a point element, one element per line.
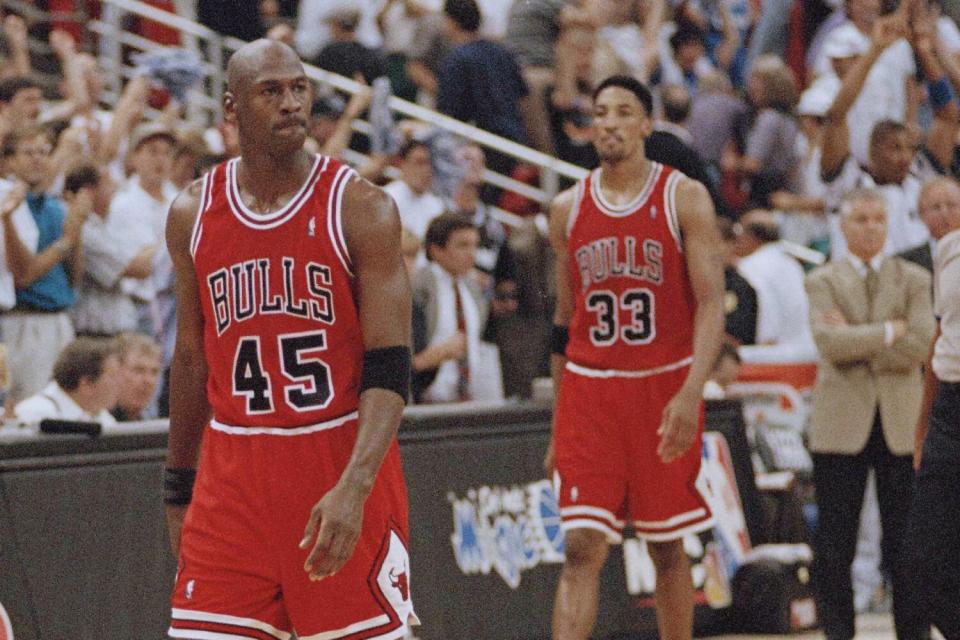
<point>367,211</point>
<point>183,214</point>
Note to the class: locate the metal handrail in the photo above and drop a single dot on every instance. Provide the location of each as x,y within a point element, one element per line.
<point>113,38</point>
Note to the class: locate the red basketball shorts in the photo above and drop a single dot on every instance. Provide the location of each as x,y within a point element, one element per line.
<point>608,471</point>
<point>241,570</point>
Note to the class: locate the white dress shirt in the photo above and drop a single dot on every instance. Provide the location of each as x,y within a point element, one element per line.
<point>445,386</point>
<point>55,403</point>
<point>416,211</point>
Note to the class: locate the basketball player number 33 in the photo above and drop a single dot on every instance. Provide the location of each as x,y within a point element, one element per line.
<point>639,307</point>
<point>309,388</point>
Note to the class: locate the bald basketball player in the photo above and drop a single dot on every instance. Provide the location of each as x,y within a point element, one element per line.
<point>292,368</point>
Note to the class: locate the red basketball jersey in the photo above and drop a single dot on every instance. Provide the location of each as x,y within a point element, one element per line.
<point>633,303</point>
<point>281,328</point>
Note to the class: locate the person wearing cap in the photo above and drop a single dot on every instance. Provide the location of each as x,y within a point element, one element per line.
<point>141,205</point>
<point>894,166</point>
<point>884,95</point>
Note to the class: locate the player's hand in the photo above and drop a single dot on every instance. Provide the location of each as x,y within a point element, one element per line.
<point>680,424</point>
<point>335,521</point>
<point>175,516</point>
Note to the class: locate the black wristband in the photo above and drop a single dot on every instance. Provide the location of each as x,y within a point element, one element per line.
<point>178,486</point>
<point>559,337</point>
<point>387,368</point>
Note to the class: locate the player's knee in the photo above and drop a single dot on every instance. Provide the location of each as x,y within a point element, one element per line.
<point>585,549</point>
<point>668,556</point>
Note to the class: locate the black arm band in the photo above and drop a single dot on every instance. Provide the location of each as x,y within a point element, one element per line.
<point>178,486</point>
<point>559,338</point>
<point>387,368</point>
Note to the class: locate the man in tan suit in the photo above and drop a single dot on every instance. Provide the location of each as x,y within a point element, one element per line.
<point>872,321</point>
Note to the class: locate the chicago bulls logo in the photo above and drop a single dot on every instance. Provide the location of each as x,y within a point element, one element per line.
<point>398,580</point>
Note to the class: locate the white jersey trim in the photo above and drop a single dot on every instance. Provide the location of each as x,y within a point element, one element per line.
<point>219,618</point>
<point>595,512</point>
<point>675,534</point>
<point>197,634</point>
<point>356,627</point>
<point>616,373</point>
<point>670,523</point>
<point>279,431</point>
<point>575,209</point>
<point>276,218</point>
<point>624,210</point>
<point>670,203</point>
<point>206,197</point>
<point>613,536</point>
<point>334,217</point>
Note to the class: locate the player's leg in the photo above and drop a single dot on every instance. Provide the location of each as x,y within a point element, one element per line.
<point>675,592</point>
<point>577,598</point>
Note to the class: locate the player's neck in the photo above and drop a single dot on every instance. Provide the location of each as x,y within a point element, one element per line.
<point>624,175</point>
<point>263,174</point>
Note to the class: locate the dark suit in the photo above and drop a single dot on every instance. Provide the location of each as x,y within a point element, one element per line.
<point>919,255</point>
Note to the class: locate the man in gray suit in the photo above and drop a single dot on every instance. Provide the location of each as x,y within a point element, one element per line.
<point>872,321</point>
<point>449,312</point>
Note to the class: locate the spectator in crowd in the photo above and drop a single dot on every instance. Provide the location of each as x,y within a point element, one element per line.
<point>935,516</point>
<point>684,63</point>
<point>725,26</point>
<point>670,141</point>
<point>770,159</point>
<point>20,102</point>
<point>17,60</point>
<point>783,333</point>
<point>344,54</point>
<point>939,206</point>
<point>399,22</point>
<point>740,300</point>
<point>313,28</point>
<point>884,94</point>
<point>416,202</point>
<point>449,313</point>
<point>140,363</point>
<point>480,81</point>
<point>893,166</point>
<point>533,30</point>
<point>430,48</point>
<point>190,152</point>
<point>141,206</point>
<point>86,378</point>
<point>103,308</point>
<point>628,41</point>
<point>716,114</point>
<point>872,320</point>
<point>570,103</point>
<point>44,254</point>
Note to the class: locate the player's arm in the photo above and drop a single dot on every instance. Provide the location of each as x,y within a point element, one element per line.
<point>372,229</point>
<point>559,215</point>
<point>189,409</point>
<point>702,248</point>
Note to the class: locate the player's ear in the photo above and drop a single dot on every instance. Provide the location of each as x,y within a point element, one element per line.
<point>229,107</point>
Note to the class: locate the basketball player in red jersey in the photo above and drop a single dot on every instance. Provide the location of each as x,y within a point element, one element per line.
<point>292,367</point>
<point>637,328</point>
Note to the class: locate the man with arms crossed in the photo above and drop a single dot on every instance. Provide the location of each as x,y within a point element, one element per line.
<point>285,263</point>
<point>638,327</point>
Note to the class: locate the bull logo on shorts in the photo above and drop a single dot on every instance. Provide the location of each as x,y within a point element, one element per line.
<point>398,580</point>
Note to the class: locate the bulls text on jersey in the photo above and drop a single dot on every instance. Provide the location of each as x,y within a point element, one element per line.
<point>602,259</point>
<point>245,290</point>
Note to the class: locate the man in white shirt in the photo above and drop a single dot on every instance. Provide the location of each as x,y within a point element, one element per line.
<point>141,206</point>
<point>449,313</point>
<point>86,379</point>
<point>783,333</point>
<point>417,204</point>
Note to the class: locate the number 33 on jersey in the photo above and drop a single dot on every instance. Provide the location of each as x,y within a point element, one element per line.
<point>633,303</point>
<point>281,329</point>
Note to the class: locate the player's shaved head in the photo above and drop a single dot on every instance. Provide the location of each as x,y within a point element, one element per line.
<point>253,58</point>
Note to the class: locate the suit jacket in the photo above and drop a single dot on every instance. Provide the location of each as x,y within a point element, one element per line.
<point>919,255</point>
<point>857,372</point>
<point>425,314</point>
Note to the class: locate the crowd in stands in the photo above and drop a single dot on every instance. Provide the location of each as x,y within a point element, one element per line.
<point>807,120</point>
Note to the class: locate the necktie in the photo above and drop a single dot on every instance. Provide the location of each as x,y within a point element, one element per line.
<point>463,367</point>
<point>873,283</point>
